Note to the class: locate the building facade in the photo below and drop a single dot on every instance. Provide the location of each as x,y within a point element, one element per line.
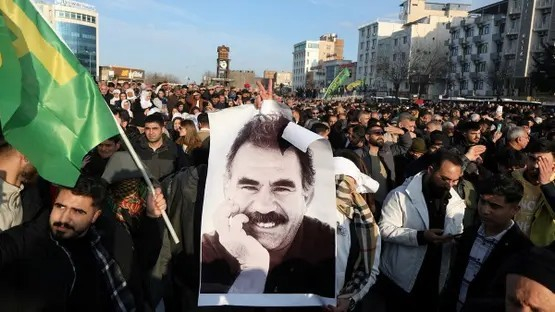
<point>77,24</point>
<point>371,37</point>
<point>408,56</point>
<point>307,56</point>
<point>238,78</point>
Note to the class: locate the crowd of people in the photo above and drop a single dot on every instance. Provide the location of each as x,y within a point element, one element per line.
<point>462,217</point>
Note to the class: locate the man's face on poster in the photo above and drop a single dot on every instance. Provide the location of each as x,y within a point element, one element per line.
<point>267,186</point>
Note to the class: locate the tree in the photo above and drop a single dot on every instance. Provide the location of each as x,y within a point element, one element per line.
<point>543,76</point>
<point>393,71</point>
<point>156,77</point>
<point>429,64</point>
<point>497,77</point>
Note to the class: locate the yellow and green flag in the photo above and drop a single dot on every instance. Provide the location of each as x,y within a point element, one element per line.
<point>50,107</point>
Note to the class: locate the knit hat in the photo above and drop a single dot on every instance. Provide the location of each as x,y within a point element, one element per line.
<point>418,145</point>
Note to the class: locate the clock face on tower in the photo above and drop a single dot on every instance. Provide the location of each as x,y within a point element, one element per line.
<point>222,64</point>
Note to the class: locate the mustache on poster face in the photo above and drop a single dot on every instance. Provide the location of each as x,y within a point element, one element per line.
<point>270,217</point>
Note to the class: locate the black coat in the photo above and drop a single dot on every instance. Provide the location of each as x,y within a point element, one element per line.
<point>487,290</point>
<point>37,274</point>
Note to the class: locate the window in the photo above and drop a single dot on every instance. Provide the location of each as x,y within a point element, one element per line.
<point>454,51</point>
<point>483,48</point>
<point>375,30</point>
<point>396,42</point>
<point>405,40</point>
<point>481,67</point>
<point>362,32</point>
<point>394,57</point>
<point>480,85</point>
<point>362,45</point>
<point>467,50</point>
<point>373,43</point>
<point>469,33</point>
<point>373,55</point>
<point>464,84</point>
<point>403,56</point>
<point>371,68</point>
<point>465,67</point>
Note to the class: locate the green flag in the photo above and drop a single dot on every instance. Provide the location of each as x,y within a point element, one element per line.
<point>337,81</point>
<point>50,107</point>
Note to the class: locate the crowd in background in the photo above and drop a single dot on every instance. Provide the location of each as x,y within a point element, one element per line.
<point>464,212</point>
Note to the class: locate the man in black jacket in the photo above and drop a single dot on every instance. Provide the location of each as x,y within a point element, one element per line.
<point>156,150</point>
<point>73,259</point>
<point>483,250</point>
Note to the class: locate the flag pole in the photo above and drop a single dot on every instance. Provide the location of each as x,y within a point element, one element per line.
<point>141,167</point>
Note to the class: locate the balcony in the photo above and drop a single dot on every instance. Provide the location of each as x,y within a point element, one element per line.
<point>474,76</point>
<point>513,32</point>
<point>510,53</point>
<point>477,39</point>
<point>497,37</point>
<point>463,41</point>
<point>514,11</point>
<point>495,57</point>
<point>541,26</point>
<point>479,20</point>
<point>544,4</point>
<point>499,18</point>
<point>460,59</point>
<point>476,58</point>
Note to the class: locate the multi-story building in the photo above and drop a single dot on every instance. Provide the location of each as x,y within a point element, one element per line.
<point>413,10</point>
<point>77,24</point>
<point>529,26</point>
<point>270,74</point>
<point>370,38</point>
<point>475,52</point>
<point>308,54</point>
<point>411,48</point>
<point>305,56</point>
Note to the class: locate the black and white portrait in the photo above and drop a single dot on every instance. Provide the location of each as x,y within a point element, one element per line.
<point>268,233</point>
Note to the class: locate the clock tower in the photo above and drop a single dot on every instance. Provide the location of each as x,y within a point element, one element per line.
<point>222,63</point>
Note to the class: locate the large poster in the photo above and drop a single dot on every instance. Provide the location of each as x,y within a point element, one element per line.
<point>268,220</point>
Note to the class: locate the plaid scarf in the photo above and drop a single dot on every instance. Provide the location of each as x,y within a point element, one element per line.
<point>354,207</point>
<point>120,294</point>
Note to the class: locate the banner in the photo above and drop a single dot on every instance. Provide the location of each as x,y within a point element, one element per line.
<point>269,212</point>
<point>50,107</point>
<point>337,82</point>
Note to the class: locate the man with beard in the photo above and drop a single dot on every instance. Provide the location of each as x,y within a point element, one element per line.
<point>74,259</point>
<point>21,199</point>
<point>537,207</point>
<point>378,157</point>
<point>263,241</point>
<point>419,220</point>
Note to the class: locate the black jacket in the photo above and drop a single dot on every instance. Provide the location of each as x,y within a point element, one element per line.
<point>162,162</point>
<point>486,291</point>
<point>37,273</point>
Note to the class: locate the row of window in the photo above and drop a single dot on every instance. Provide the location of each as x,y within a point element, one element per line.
<point>366,32</point>
<point>477,85</point>
<point>76,16</point>
<point>482,30</point>
<point>481,48</point>
<point>479,67</point>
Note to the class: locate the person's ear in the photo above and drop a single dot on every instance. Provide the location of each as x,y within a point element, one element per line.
<point>309,195</point>
<point>430,170</point>
<point>96,214</point>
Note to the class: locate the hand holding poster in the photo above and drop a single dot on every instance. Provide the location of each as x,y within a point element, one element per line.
<point>269,210</point>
